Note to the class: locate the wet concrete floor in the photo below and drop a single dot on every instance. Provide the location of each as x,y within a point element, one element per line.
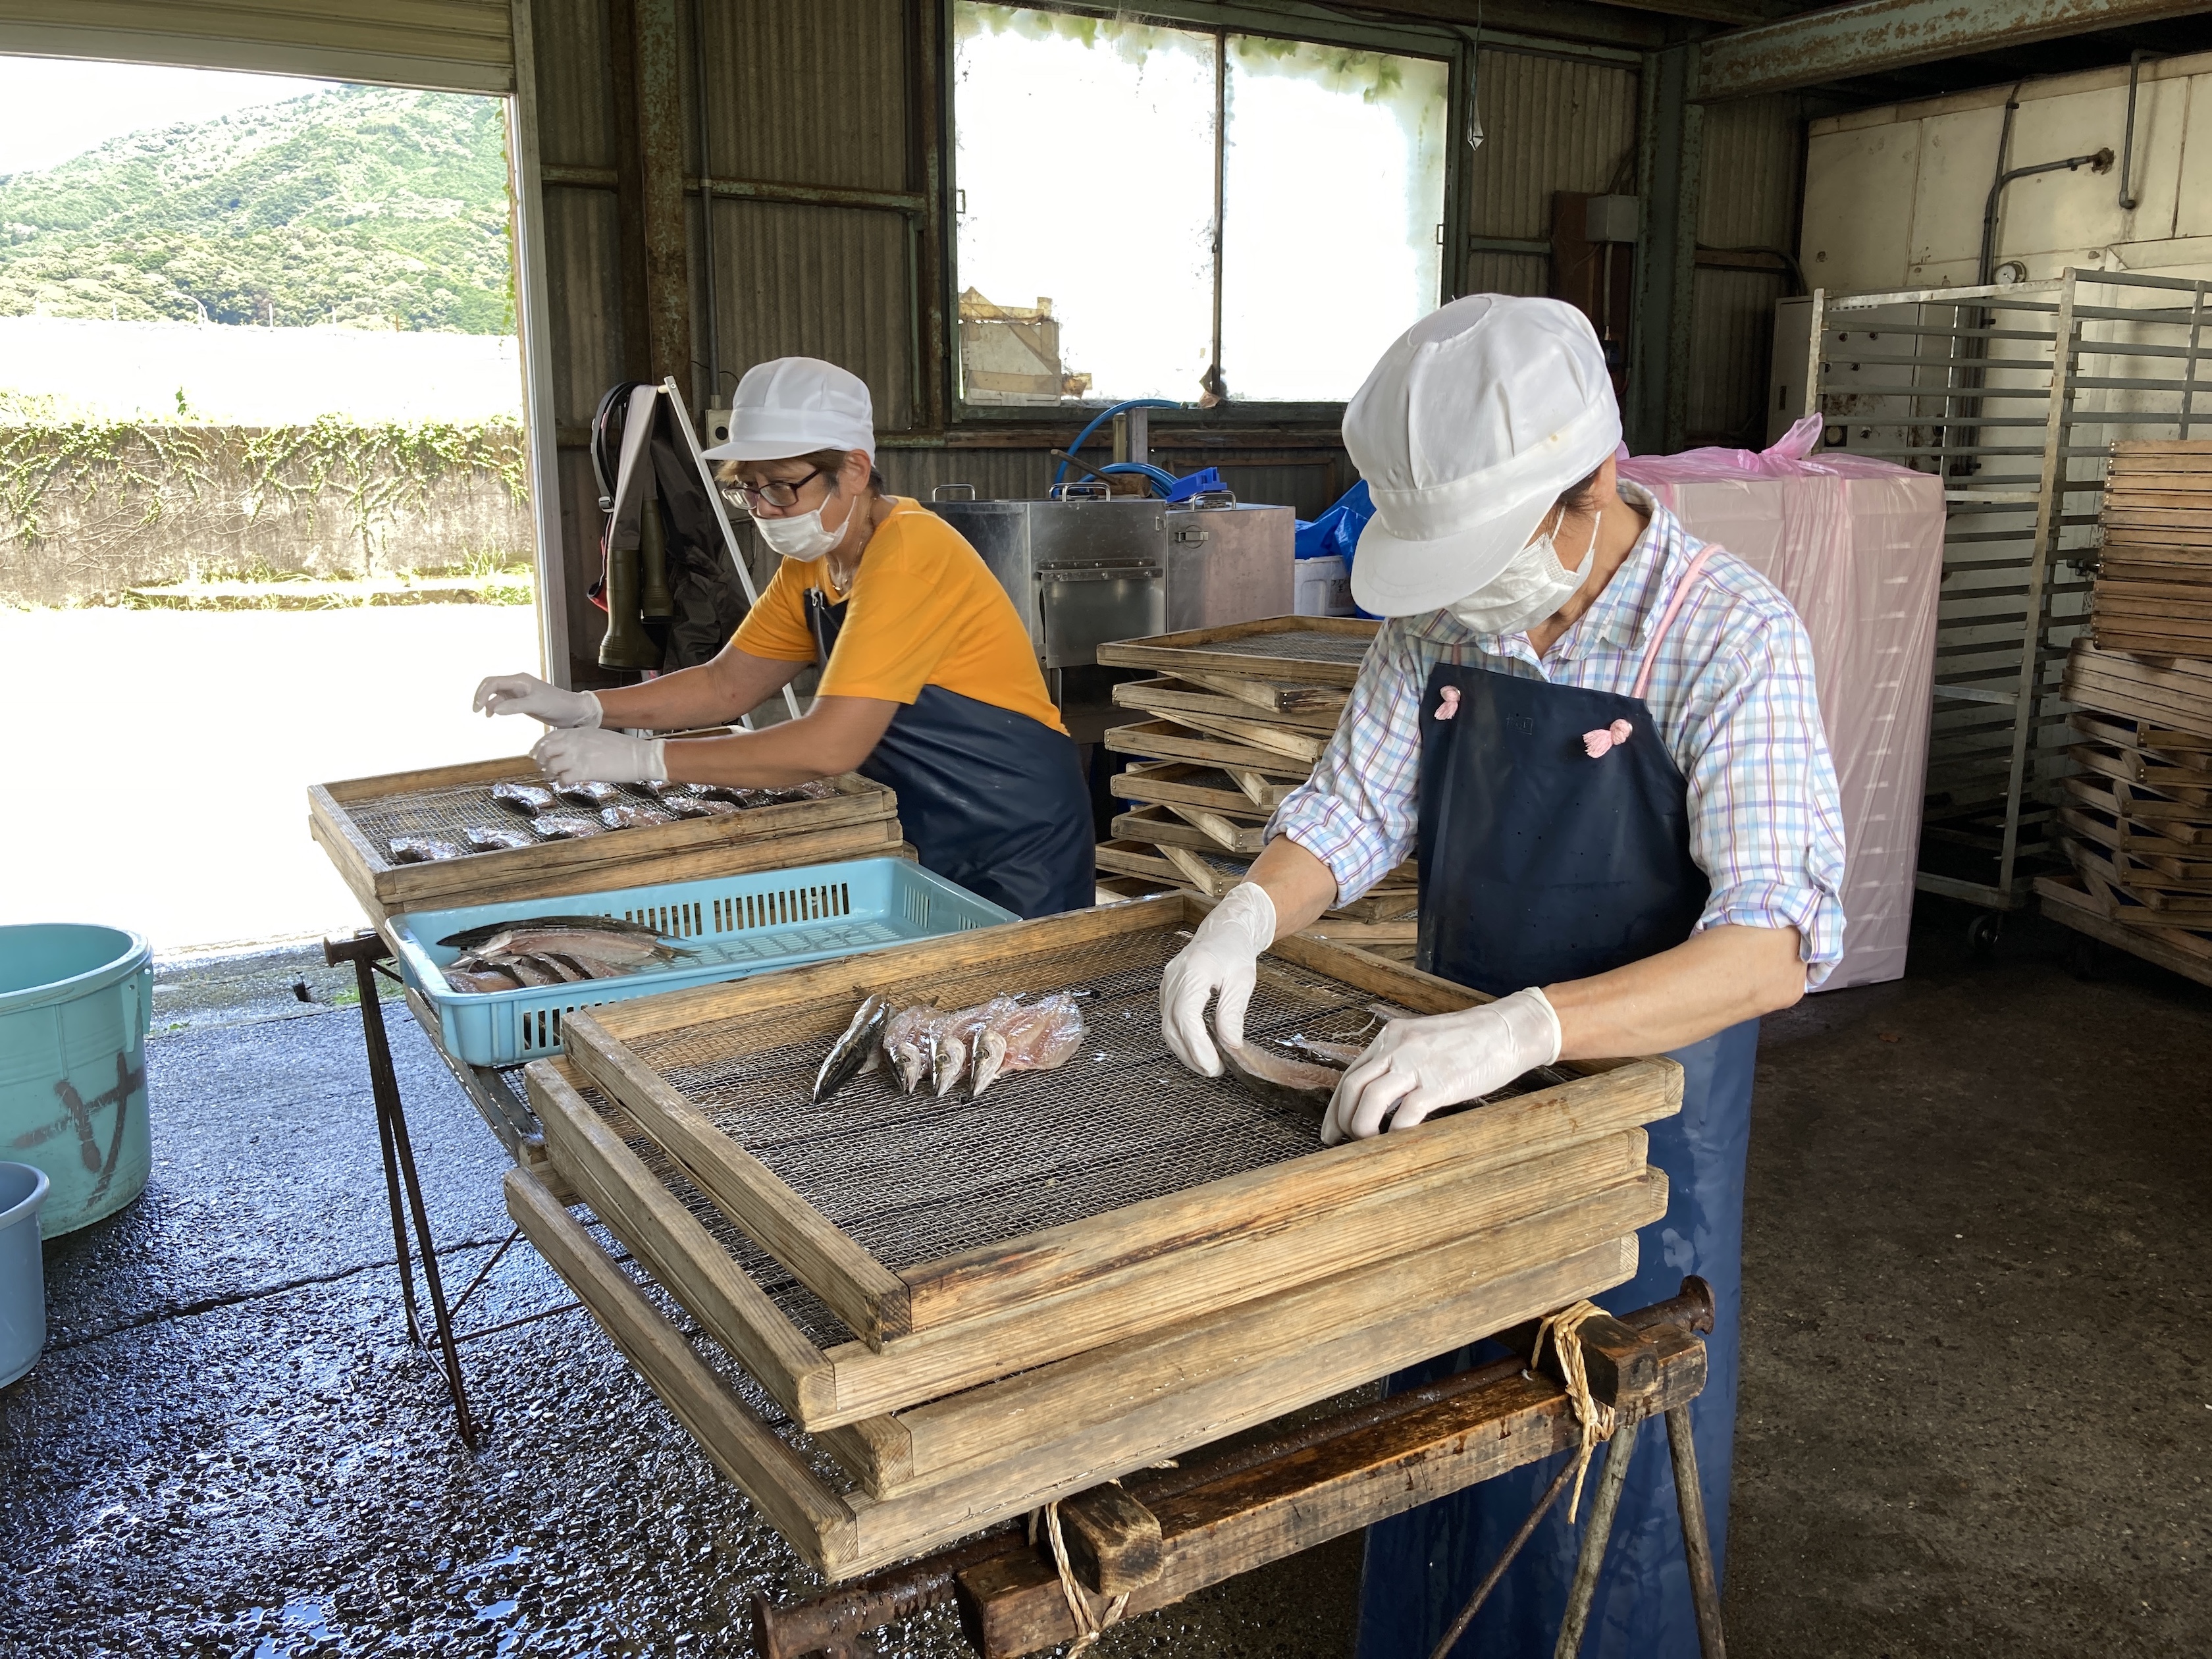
<point>1977,1416</point>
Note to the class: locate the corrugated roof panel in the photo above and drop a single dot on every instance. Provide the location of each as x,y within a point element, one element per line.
<point>1549,124</point>
<point>1754,172</point>
<point>583,279</point>
<point>575,93</point>
<point>808,91</point>
<point>830,282</point>
<point>1731,336</point>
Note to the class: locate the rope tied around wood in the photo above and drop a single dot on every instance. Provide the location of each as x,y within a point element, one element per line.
<point>1089,1626</point>
<point>1597,1422</point>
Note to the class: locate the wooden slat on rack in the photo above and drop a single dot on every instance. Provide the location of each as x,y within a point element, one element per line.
<point>1175,698</point>
<point>1170,740</point>
<point>1213,650</point>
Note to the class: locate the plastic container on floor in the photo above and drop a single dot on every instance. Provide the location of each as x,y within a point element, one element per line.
<point>736,925</point>
<point>23,1189</point>
<point>74,1004</point>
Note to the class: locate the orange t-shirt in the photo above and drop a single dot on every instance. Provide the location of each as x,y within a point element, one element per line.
<point>925,611</point>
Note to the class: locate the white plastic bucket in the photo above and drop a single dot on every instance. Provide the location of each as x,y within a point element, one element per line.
<point>22,1270</point>
<point>75,1001</point>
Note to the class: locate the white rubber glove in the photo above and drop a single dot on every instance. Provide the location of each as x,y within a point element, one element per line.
<point>1417,1067</point>
<point>601,758</point>
<point>1223,956</point>
<point>526,694</point>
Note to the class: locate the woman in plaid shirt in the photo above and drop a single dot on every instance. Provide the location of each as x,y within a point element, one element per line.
<point>1601,740</point>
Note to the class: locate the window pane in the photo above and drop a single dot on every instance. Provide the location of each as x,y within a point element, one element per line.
<point>1084,148</point>
<point>1333,193</point>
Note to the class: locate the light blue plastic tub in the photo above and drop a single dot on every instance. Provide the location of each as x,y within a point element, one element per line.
<point>737,926</point>
<point>23,1189</point>
<point>74,1004</point>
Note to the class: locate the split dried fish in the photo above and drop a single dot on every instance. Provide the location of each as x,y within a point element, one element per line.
<point>1341,1053</point>
<point>698,806</point>
<point>589,794</point>
<point>497,837</point>
<point>561,826</point>
<point>906,1043</point>
<point>1278,1080</point>
<point>855,1051</point>
<point>631,815</point>
<point>528,798</point>
<point>424,850</point>
<point>663,789</point>
<point>555,950</point>
<point>981,1044</point>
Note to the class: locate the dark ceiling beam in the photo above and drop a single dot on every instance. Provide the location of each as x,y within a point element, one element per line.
<point>1550,19</point>
<point>1882,35</point>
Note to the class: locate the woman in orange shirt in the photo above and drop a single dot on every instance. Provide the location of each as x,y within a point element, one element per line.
<point>928,682</point>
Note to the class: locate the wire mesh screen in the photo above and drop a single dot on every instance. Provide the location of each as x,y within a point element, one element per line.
<point>915,1177</point>
<point>447,810</point>
<point>1299,645</point>
<point>799,1304</point>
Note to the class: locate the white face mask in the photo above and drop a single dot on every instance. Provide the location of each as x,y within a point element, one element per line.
<point>1536,584</point>
<point>802,536</point>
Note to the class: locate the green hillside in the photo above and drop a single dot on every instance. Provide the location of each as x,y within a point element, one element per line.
<point>358,205</point>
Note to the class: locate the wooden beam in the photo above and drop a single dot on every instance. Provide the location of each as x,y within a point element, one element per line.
<point>1879,35</point>
<point>1113,1541</point>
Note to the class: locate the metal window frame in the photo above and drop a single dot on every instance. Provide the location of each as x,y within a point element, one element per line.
<point>2008,722</point>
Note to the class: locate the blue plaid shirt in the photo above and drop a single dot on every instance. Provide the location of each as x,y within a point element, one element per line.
<point>1732,693</point>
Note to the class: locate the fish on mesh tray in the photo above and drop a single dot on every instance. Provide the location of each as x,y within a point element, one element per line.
<point>565,826</point>
<point>664,789</point>
<point>590,794</point>
<point>424,850</point>
<point>528,798</point>
<point>497,837</point>
<point>698,806</point>
<point>981,1044</point>
<point>631,815</point>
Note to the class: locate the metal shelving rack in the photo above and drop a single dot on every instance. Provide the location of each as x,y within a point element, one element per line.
<point>2013,394</point>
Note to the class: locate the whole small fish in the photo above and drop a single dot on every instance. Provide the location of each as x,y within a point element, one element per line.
<point>424,850</point>
<point>497,837</point>
<point>531,799</point>
<point>469,938</point>
<point>561,826</point>
<point>630,815</point>
<point>854,1052</point>
<point>589,794</point>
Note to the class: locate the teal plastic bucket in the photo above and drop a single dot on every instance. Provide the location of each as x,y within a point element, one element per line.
<point>22,1270</point>
<point>74,1005</point>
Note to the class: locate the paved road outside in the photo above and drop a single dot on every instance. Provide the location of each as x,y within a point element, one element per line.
<point>158,761</point>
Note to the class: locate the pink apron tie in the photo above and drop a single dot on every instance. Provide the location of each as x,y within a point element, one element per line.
<point>1606,739</point>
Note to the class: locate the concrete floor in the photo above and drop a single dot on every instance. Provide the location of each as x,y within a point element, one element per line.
<point>1976,1416</point>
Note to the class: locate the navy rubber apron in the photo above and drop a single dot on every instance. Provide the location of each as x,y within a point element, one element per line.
<point>990,798</point>
<point>1541,861</point>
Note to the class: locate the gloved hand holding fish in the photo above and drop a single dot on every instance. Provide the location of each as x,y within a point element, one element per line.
<point>981,1044</point>
<point>554,950</point>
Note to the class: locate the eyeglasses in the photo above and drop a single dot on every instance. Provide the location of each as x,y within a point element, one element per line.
<point>777,493</point>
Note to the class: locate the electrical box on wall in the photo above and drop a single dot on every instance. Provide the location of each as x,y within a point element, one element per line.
<point>1612,218</point>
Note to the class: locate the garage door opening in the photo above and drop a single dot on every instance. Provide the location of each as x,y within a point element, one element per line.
<point>263,511</point>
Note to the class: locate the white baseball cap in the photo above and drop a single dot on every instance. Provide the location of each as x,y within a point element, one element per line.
<point>1476,420</point>
<point>792,406</point>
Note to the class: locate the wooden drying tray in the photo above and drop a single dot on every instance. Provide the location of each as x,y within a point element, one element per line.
<point>1189,826</point>
<point>860,821</point>
<point>1168,739</point>
<point>1194,701</point>
<point>938,1326</point>
<point>1214,870</point>
<point>1060,1429</point>
<point>1322,651</point>
<point>1182,783</point>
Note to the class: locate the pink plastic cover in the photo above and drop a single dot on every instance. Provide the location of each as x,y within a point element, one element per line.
<point>1857,547</point>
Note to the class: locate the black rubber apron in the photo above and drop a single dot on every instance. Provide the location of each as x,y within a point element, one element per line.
<point>1541,862</point>
<point>990,798</point>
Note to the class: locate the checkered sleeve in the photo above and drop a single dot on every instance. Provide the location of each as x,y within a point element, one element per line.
<point>1766,813</point>
<point>1358,811</point>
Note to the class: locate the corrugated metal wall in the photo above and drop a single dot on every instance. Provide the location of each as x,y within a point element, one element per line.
<point>1549,124</point>
<point>1753,180</point>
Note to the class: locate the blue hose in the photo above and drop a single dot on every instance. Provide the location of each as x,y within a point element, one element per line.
<point>1107,414</point>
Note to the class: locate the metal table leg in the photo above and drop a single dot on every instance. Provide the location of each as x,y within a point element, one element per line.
<point>403,1185</point>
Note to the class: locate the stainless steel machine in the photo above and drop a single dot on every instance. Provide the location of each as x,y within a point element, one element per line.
<point>1084,567</point>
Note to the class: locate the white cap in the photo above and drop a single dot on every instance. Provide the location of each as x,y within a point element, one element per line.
<point>1476,420</point>
<point>792,406</point>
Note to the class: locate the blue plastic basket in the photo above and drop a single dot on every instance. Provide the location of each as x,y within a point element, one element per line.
<point>738,926</point>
